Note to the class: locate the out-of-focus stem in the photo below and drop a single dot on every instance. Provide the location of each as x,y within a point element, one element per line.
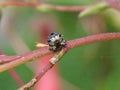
<point>27,4</point>
<point>41,6</point>
<point>16,77</point>
<point>68,8</point>
<point>47,7</point>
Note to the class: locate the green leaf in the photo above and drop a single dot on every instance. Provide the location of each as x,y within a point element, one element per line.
<point>93,10</point>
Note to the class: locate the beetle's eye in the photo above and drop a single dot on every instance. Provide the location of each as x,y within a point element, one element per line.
<point>60,35</point>
<point>49,40</point>
<point>51,33</point>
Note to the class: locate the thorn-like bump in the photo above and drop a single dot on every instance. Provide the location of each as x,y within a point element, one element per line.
<point>39,45</point>
<point>53,60</point>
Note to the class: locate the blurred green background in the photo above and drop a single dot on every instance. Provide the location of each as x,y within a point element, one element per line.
<point>90,67</point>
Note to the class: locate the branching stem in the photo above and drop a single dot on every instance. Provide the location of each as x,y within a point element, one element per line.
<point>50,64</point>
<point>70,44</point>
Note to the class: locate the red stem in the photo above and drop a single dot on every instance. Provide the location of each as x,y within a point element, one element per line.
<point>12,71</point>
<point>16,77</point>
<point>112,4</point>
<point>53,7</point>
<point>70,44</point>
<point>37,77</point>
<point>28,4</point>
<point>25,58</point>
<point>43,71</point>
<point>93,39</point>
<point>5,59</point>
<point>44,30</point>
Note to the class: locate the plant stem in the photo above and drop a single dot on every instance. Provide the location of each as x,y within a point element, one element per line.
<point>5,59</point>
<point>27,4</point>
<point>16,77</point>
<point>93,39</point>
<point>48,66</point>
<point>40,5</point>
<point>25,58</point>
<point>70,44</point>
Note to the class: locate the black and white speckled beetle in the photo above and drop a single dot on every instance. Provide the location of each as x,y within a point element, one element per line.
<point>56,41</point>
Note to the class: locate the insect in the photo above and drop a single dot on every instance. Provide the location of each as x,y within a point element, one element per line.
<point>56,41</point>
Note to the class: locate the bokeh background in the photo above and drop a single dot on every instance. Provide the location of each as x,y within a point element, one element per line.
<point>90,67</point>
